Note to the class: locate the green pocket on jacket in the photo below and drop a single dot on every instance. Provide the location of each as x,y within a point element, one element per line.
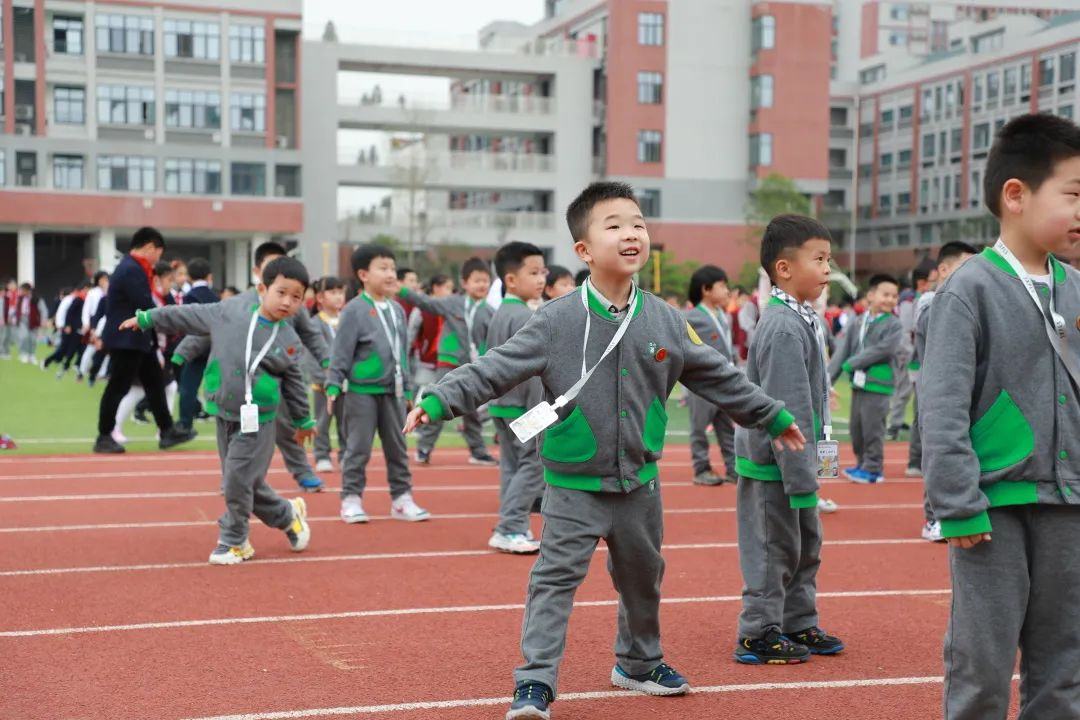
<point>265,391</point>
<point>656,420</point>
<point>212,377</point>
<point>1002,437</point>
<point>571,441</point>
<point>449,344</point>
<point>881,373</point>
<point>370,368</point>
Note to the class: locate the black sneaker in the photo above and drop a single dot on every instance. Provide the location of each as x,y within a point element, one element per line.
<point>531,700</point>
<point>482,459</point>
<point>818,641</point>
<point>176,435</point>
<point>105,444</point>
<point>140,417</point>
<point>773,649</point>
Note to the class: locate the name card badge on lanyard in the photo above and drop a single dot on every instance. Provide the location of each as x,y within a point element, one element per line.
<point>249,411</point>
<point>544,415</point>
<point>395,348</point>
<point>470,317</point>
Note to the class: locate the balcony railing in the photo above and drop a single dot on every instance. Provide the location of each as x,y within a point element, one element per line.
<point>465,219</point>
<point>476,160</point>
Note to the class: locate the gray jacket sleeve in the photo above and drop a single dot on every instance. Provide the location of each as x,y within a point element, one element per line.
<point>784,376</point>
<point>922,322</point>
<point>436,306</point>
<point>344,346</point>
<point>311,336</point>
<point>192,347</point>
<point>173,319</point>
<point>946,385</point>
<point>843,351</point>
<point>882,351</point>
<point>294,393</point>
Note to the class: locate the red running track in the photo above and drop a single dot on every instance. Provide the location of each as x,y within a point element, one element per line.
<point>108,609</point>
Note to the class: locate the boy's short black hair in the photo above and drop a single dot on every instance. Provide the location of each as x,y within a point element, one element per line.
<point>403,271</point>
<point>266,250</point>
<point>472,265</point>
<point>97,277</point>
<point>26,286</point>
<point>162,268</point>
<point>439,279</point>
<point>198,268</point>
<point>880,279</point>
<point>705,276</point>
<point>231,288</point>
<point>330,282</point>
<point>365,254</point>
<point>577,214</point>
<point>288,268</point>
<point>955,249</point>
<point>1027,148</point>
<point>581,277</point>
<point>147,236</point>
<point>556,273</point>
<point>511,256</point>
<point>787,232</point>
<point>923,271</point>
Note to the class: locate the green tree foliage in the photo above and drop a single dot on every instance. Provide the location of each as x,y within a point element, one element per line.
<point>674,275</point>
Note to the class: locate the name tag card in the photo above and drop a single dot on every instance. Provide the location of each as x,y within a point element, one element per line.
<point>534,422</point>
<point>828,452</point>
<point>859,379</point>
<point>249,418</point>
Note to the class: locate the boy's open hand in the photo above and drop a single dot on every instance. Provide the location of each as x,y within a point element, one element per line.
<point>330,404</point>
<point>302,436</point>
<point>417,416</point>
<point>791,439</point>
<point>130,324</point>
<point>969,541</point>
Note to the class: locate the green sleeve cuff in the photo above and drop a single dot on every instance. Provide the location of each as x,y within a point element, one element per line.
<point>433,407</point>
<point>800,502</point>
<point>177,359</point>
<point>780,423</point>
<point>409,394</point>
<point>974,525</point>
<point>332,391</point>
<point>325,363</point>
<point>403,292</point>
<point>304,423</point>
<point>846,367</point>
<point>143,318</point>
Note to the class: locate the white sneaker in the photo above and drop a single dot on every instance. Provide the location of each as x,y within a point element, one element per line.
<point>119,437</point>
<point>913,472</point>
<point>404,508</point>
<point>324,466</point>
<point>514,543</point>
<point>352,510</point>
<point>932,531</point>
<point>827,506</point>
<point>298,532</point>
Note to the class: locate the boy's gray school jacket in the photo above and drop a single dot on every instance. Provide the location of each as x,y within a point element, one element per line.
<point>511,316</point>
<point>453,350</point>
<point>315,371</point>
<point>785,360</point>
<point>610,437</point>
<point>876,355</point>
<point>701,319</point>
<point>999,414</point>
<point>362,354</point>
<point>225,325</point>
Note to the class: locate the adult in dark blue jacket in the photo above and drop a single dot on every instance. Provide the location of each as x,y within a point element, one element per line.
<point>133,354</point>
<point>191,373</point>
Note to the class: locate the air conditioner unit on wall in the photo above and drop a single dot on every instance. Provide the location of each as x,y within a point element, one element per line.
<point>282,141</point>
<point>24,112</point>
<point>25,130</point>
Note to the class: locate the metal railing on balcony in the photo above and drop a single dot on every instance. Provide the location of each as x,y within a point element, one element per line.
<point>451,101</point>
<point>475,160</point>
<point>464,219</point>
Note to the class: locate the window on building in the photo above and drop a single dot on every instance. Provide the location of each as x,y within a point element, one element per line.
<point>835,199</point>
<point>763,33</point>
<point>898,38</point>
<point>928,145</point>
<point>927,108</point>
<point>924,195</point>
<point>287,179</point>
<point>837,158</point>
<point>872,75</point>
<point>648,145</point>
<point>905,115</point>
<point>903,239</point>
<point>977,81</point>
<point>956,141</point>
<point>650,88</point>
<point>126,173</point>
<point>248,112</point>
<point>68,172</point>
<point>903,202</point>
<point>926,234</point>
<point>69,105</point>
<point>127,34</point>
<point>899,11</point>
<point>196,109</point>
<point>935,196</point>
<point>761,91</point>
<point>1008,85</point>
<point>886,161</point>
<point>980,137</point>
<point>187,39</point>
<point>193,177</point>
<point>649,202</point>
<point>885,238</point>
<point>650,29</point>
<point>887,118</point>
<point>3,169</point>
<point>1046,72</point>
<point>125,105</point>
<point>1025,77</point>
<point>975,193</point>
<point>993,84</point>
<point>761,150</point>
<point>838,117</point>
<point>988,42</point>
<point>67,35</point>
<point>248,179</point>
<point>904,159</point>
<point>1066,111</point>
<point>247,44</point>
<point>26,169</point>
<point>1067,68</point>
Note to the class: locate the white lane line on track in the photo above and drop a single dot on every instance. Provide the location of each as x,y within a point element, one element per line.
<point>335,518</point>
<point>398,612</point>
<point>294,559</point>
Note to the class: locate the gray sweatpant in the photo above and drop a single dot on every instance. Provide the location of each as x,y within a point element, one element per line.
<point>322,427</point>
<point>7,339</point>
<point>1020,590</point>
<point>427,435</point>
<point>245,459</point>
<point>521,479</point>
<point>903,392</point>
<point>915,447</point>
<point>364,416</point>
<point>27,341</point>
<point>779,553</point>
<point>632,524</point>
<point>702,414</point>
<point>294,455</point>
<point>868,411</point>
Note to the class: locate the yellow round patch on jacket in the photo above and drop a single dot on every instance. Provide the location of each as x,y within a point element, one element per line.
<point>693,335</point>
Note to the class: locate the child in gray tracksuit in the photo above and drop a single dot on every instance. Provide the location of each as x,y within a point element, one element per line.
<point>600,458</point>
<point>779,528</point>
<point>369,375</point>
<point>709,293</point>
<point>329,299</point>
<point>463,339</point>
<point>868,355</point>
<point>258,338</point>
<point>1000,419</point>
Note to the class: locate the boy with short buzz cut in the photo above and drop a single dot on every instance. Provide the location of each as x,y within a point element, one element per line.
<point>600,459</point>
<point>1000,416</point>
<point>462,339</point>
<point>369,376</point>
<point>779,527</point>
<point>868,355</point>
<point>520,266</point>
<point>244,381</point>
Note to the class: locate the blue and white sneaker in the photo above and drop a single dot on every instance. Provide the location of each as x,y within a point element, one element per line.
<point>661,680</point>
<point>310,482</point>
<point>531,700</point>
<point>853,473</point>
<point>865,477</point>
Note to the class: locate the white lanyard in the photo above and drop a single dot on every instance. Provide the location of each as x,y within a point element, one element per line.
<point>470,317</point>
<point>721,327</point>
<point>391,335</point>
<point>1054,323</point>
<point>248,363</point>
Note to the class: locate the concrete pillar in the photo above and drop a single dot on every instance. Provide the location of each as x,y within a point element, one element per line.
<point>106,249</point>
<point>239,263</point>
<point>26,255</point>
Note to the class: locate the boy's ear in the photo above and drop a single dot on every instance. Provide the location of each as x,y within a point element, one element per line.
<point>1013,194</point>
<point>261,288</point>
<point>582,250</point>
<point>782,268</point>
